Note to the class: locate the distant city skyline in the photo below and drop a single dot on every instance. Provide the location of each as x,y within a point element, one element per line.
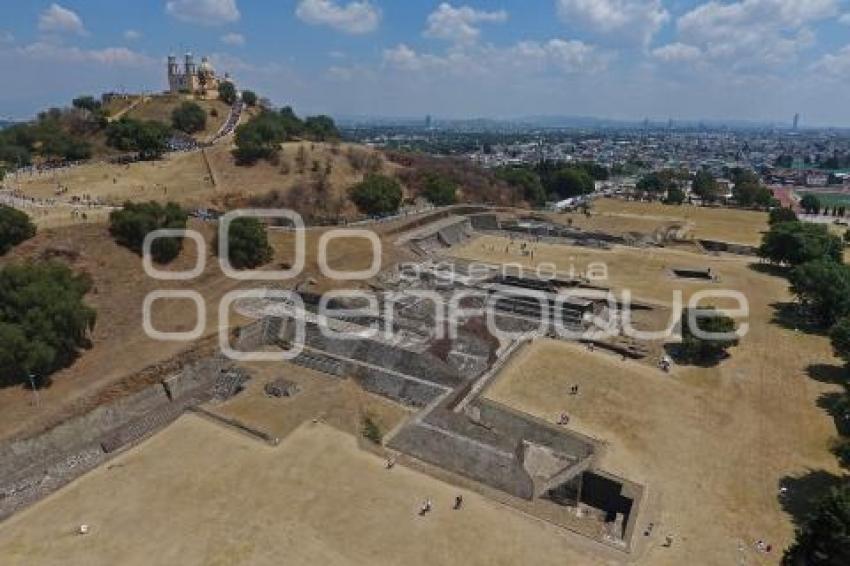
<point>750,60</point>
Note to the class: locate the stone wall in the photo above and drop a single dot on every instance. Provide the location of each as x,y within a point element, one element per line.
<point>405,391</point>
<point>465,456</point>
<point>34,467</point>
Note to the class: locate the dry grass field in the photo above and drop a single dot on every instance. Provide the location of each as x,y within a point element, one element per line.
<point>185,179</point>
<point>197,493</point>
<point>711,444</point>
<point>339,403</point>
<point>643,271</point>
<point>618,216</point>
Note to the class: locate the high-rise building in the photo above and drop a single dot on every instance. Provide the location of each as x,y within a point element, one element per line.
<point>796,120</point>
<point>428,121</point>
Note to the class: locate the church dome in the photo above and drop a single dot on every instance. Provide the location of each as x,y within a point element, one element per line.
<point>206,66</point>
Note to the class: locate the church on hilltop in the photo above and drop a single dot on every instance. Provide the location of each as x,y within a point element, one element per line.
<point>199,80</point>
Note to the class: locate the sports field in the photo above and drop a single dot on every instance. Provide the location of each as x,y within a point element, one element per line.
<point>198,493</point>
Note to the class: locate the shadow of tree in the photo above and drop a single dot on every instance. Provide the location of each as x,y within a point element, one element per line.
<point>675,352</point>
<point>834,404</point>
<point>770,269</point>
<point>792,316</point>
<point>802,493</point>
<point>828,373</point>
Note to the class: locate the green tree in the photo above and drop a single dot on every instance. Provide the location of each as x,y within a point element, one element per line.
<point>781,214</point>
<point>697,348</point>
<point>376,195</point>
<point>705,186</point>
<point>15,227</point>
<point>749,193</point>
<point>527,181</point>
<point>227,92</point>
<point>134,221</point>
<point>675,195</point>
<point>189,118</point>
<point>839,335</point>
<point>439,190</point>
<point>823,286</point>
<point>149,138</point>
<point>810,203</point>
<point>44,321</point>
<point>86,103</point>
<point>794,243</point>
<point>320,128</point>
<point>824,537</point>
<point>248,243</point>
<point>249,97</point>
<point>568,182</point>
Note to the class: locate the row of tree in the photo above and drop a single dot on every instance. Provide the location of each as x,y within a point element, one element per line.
<point>261,136</point>
<point>554,181</point>
<point>819,278</point>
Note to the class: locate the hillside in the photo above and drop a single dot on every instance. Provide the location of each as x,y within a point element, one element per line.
<point>159,108</point>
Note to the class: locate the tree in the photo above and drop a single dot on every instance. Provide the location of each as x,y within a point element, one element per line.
<point>705,349</point>
<point>824,537</point>
<point>440,191</point>
<point>15,227</point>
<point>526,180</point>
<point>705,186</point>
<point>675,195</point>
<point>189,118</point>
<point>149,138</point>
<point>44,321</point>
<point>86,103</point>
<point>568,182</point>
<point>839,335</point>
<point>794,243</point>
<point>781,214</point>
<point>249,97</point>
<point>810,203</point>
<point>749,193</point>
<point>227,92</point>
<point>248,244</point>
<point>320,128</point>
<point>823,286</point>
<point>130,225</point>
<point>376,195</point>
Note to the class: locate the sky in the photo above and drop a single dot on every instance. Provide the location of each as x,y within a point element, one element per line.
<point>760,60</point>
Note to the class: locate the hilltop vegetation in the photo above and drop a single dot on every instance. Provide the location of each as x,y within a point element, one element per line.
<point>261,137</point>
<point>130,225</point>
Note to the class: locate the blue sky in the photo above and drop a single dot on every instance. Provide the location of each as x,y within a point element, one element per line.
<point>685,59</point>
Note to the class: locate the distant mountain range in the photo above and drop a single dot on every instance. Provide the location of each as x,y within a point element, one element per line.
<point>6,123</point>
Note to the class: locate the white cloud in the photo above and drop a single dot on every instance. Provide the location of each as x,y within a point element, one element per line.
<point>357,17</point>
<point>233,39</point>
<point>524,57</point>
<point>629,20</point>
<point>754,32</point>
<point>456,24</point>
<point>677,52</point>
<point>844,19</point>
<point>203,12</point>
<point>114,56</point>
<point>836,65</point>
<point>6,37</point>
<point>132,35</point>
<point>57,19</point>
